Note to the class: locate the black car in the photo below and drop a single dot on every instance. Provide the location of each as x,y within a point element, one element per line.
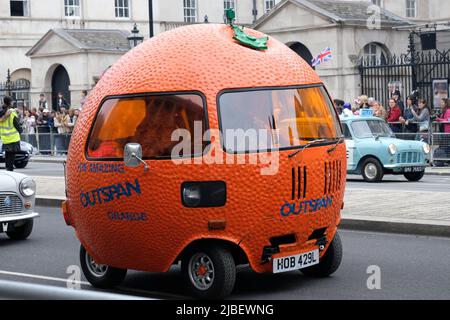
<point>22,157</point>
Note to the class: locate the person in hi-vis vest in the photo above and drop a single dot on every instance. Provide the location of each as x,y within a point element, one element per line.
<point>9,132</point>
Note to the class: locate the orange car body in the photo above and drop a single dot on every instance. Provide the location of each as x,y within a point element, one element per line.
<point>204,59</point>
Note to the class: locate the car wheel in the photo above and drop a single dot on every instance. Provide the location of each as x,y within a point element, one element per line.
<point>372,171</point>
<point>329,263</point>
<point>22,232</point>
<point>414,176</point>
<point>100,275</point>
<point>210,273</point>
<point>20,164</point>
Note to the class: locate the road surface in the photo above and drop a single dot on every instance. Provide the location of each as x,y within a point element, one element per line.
<point>411,267</point>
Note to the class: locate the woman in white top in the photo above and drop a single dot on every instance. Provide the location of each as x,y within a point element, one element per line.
<point>29,123</point>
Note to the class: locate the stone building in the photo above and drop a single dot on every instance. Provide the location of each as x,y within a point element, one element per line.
<point>73,54</point>
<point>27,47</point>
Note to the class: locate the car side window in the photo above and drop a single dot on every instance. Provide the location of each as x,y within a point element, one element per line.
<point>347,132</point>
<point>148,120</point>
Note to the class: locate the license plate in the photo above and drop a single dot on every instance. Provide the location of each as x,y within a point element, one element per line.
<point>297,262</point>
<point>414,169</point>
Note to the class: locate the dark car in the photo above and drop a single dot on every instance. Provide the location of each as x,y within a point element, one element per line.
<point>22,157</point>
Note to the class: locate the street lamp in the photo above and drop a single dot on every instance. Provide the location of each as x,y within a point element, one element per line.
<point>150,17</point>
<point>135,38</point>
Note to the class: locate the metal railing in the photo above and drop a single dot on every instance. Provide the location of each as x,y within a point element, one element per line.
<point>436,136</point>
<point>47,142</point>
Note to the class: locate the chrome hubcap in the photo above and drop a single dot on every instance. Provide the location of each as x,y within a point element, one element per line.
<point>98,270</point>
<point>201,271</point>
<point>371,171</point>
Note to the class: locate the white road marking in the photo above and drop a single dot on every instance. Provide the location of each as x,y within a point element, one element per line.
<point>27,275</point>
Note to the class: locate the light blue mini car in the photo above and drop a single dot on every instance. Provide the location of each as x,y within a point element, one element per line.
<point>373,150</point>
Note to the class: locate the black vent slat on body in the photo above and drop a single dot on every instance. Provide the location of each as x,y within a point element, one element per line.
<point>332,177</point>
<point>299,183</point>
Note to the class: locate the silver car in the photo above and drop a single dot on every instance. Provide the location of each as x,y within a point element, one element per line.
<point>17,197</point>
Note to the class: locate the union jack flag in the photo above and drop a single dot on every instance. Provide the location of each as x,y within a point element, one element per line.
<point>324,56</point>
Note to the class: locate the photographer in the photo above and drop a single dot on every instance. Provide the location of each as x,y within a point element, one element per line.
<point>10,130</point>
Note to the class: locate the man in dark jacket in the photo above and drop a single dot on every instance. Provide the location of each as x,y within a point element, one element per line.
<point>10,130</point>
<point>61,102</point>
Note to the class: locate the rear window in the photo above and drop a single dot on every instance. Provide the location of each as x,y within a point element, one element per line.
<point>148,120</point>
<point>299,115</point>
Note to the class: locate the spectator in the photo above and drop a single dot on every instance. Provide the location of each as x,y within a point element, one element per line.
<point>398,101</point>
<point>61,102</point>
<point>43,129</point>
<point>347,109</point>
<point>443,151</point>
<point>371,101</point>
<point>445,116</point>
<point>72,119</point>
<point>423,117</point>
<point>29,127</point>
<point>61,125</point>
<point>408,119</point>
<point>42,102</point>
<point>394,114</point>
<point>34,113</point>
<point>363,102</point>
<point>378,110</point>
<point>84,94</point>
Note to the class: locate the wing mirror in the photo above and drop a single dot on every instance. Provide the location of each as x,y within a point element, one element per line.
<point>133,156</point>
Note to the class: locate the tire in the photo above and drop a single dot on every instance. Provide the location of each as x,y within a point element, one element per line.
<point>330,261</point>
<point>414,176</point>
<point>22,232</point>
<point>372,170</point>
<point>106,277</point>
<point>217,260</point>
<point>20,164</point>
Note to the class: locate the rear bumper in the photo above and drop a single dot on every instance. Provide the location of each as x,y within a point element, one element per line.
<point>18,217</point>
<point>263,263</point>
<point>405,165</point>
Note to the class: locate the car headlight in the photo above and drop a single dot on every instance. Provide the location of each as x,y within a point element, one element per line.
<point>27,187</point>
<point>392,149</point>
<point>426,148</point>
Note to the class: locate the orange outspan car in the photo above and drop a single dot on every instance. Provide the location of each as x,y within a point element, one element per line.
<point>198,147</point>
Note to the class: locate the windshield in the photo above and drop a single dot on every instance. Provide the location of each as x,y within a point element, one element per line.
<point>276,118</point>
<point>371,128</point>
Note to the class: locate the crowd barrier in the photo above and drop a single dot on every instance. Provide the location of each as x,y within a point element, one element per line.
<point>435,136</point>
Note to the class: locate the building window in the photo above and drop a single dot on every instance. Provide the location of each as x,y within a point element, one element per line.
<point>190,11</point>
<point>377,2</point>
<point>411,8</point>
<point>268,5</point>
<point>374,54</point>
<point>19,8</point>
<point>72,8</point>
<point>122,8</point>
<point>229,4</point>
